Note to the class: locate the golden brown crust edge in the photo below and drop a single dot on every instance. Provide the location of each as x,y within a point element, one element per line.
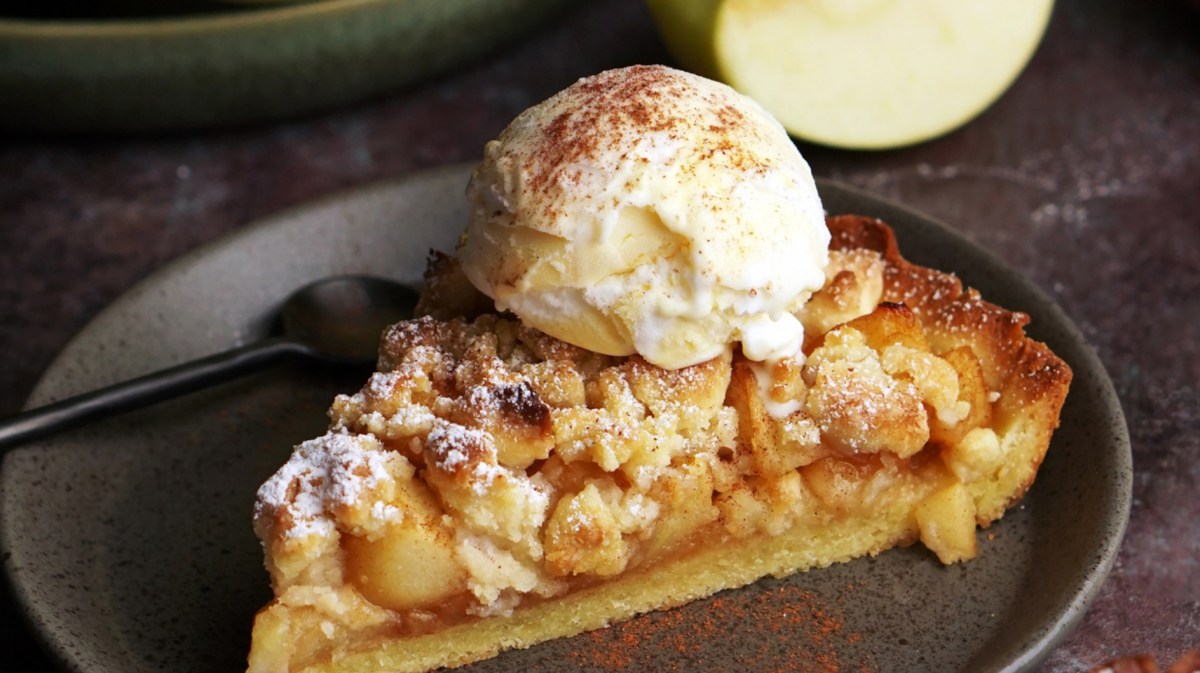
<point>1031,380</point>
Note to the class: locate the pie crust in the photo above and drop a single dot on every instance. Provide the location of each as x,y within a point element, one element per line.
<point>492,487</point>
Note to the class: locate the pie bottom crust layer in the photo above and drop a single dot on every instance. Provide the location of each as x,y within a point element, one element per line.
<point>551,491</point>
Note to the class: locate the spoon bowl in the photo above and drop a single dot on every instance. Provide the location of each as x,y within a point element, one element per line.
<point>337,319</point>
<point>340,318</point>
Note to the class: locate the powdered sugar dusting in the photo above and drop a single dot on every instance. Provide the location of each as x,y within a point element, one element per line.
<point>455,446</point>
<point>459,449</point>
<point>329,471</point>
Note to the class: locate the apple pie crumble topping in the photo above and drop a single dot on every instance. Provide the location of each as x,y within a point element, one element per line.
<point>487,466</point>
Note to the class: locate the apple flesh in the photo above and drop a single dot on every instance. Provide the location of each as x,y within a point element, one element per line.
<point>866,74</point>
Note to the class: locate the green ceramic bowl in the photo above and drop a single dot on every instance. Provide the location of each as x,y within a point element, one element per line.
<point>234,65</point>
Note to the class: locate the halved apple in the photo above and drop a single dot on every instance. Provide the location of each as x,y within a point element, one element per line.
<point>867,74</point>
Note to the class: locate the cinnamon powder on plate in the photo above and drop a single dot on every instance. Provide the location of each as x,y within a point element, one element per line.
<point>781,628</point>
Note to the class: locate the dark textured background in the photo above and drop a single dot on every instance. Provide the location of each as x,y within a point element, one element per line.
<point>1085,175</point>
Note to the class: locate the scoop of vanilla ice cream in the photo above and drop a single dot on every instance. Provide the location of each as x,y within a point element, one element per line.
<point>649,210</point>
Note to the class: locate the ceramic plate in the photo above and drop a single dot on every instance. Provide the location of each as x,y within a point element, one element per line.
<point>130,547</point>
<point>212,64</point>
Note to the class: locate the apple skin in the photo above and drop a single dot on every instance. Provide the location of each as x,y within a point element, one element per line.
<point>687,27</point>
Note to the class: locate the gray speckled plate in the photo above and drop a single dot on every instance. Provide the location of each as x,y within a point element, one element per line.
<point>129,543</point>
<point>226,65</point>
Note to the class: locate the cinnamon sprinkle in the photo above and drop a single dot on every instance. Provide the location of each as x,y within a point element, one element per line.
<point>793,630</point>
<point>607,107</point>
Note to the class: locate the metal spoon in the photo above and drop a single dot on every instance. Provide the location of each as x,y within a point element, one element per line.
<point>336,319</point>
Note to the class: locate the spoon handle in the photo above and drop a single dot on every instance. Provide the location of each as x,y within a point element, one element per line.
<point>139,392</point>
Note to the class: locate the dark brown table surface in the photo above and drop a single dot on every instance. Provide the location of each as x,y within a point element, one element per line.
<point>1085,175</point>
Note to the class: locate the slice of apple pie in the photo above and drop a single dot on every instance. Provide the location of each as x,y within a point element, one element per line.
<point>492,487</point>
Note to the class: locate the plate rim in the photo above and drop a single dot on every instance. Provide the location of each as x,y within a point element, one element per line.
<point>1048,634</point>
